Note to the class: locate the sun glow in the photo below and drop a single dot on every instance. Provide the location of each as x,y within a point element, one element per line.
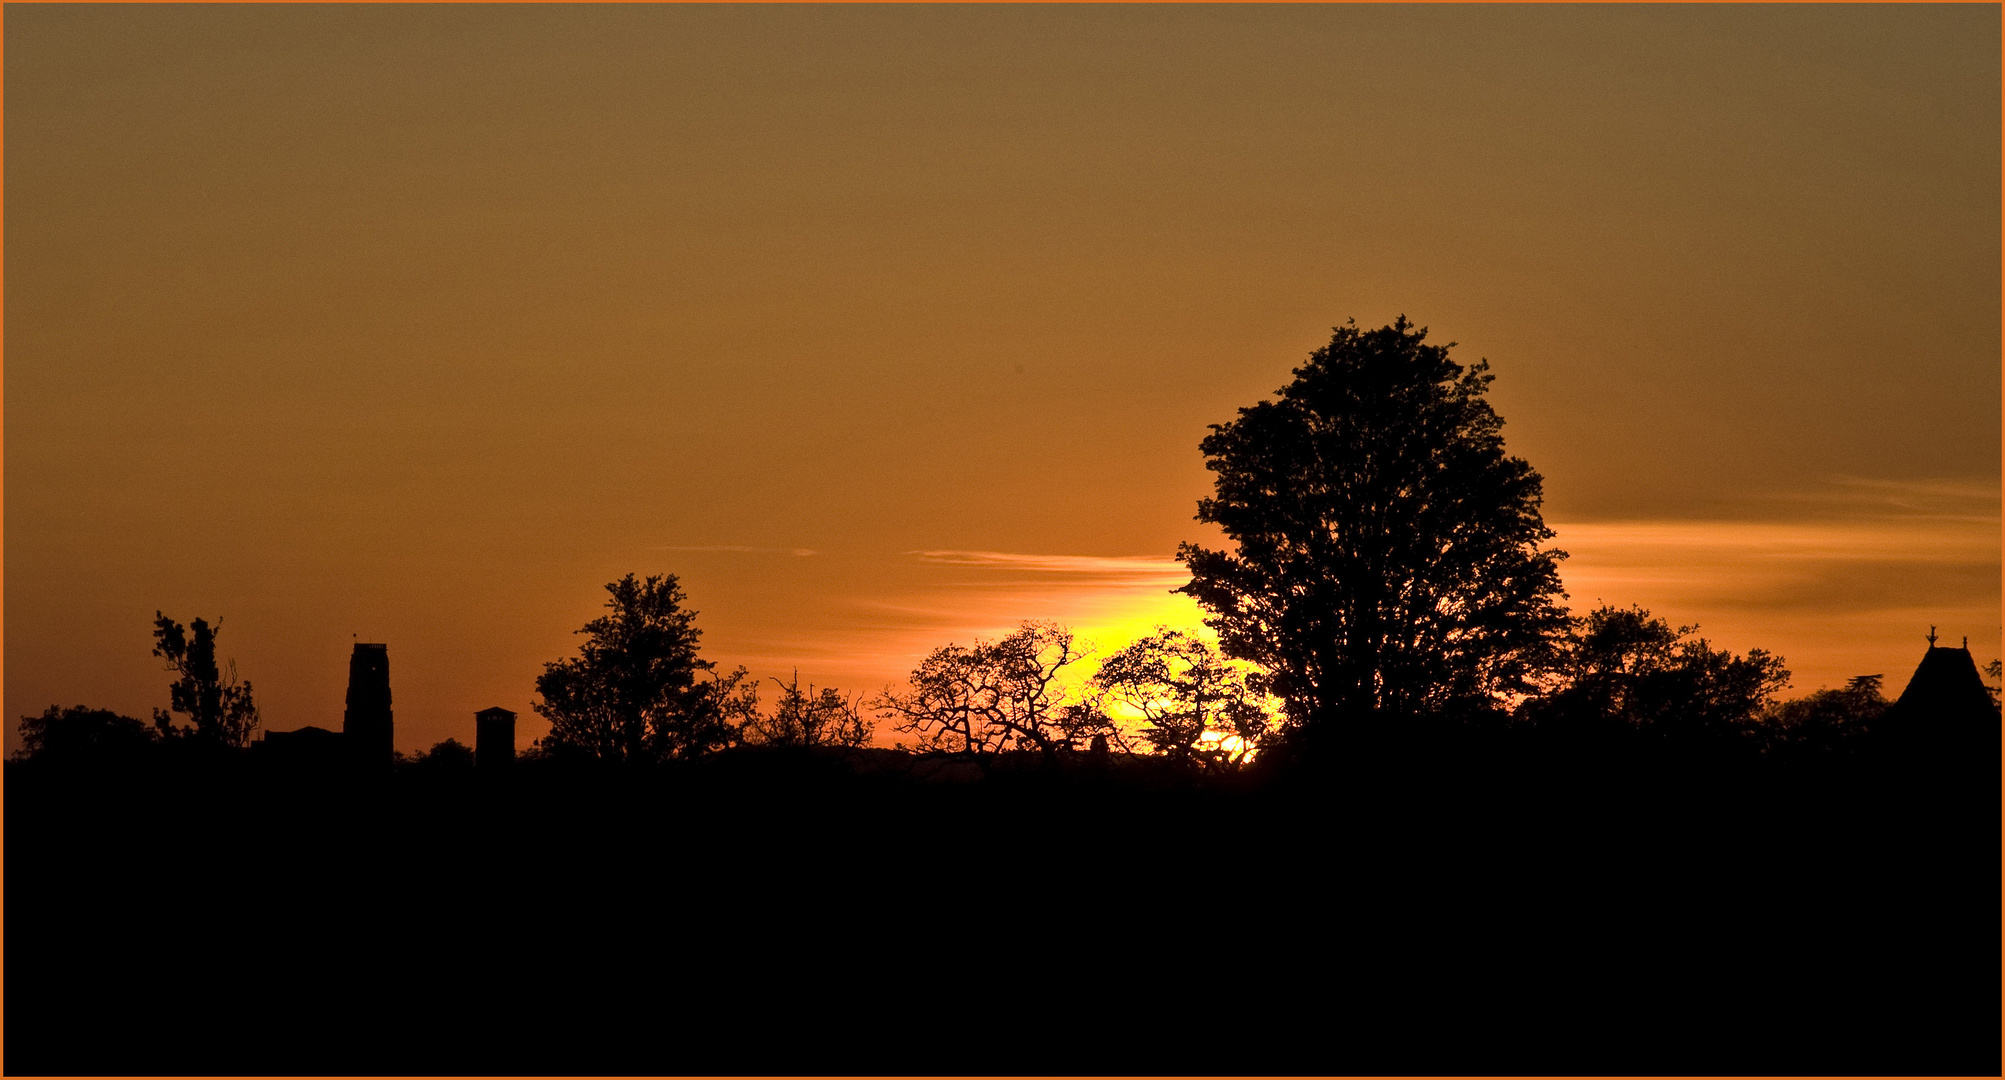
<point>1232,747</point>
<point>1107,602</point>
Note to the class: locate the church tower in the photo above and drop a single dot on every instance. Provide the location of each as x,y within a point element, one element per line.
<point>366,726</point>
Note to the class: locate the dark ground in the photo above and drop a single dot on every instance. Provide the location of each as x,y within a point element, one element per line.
<point>767,913</point>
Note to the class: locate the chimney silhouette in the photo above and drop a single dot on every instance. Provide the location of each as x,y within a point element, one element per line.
<point>366,726</point>
<point>493,738</point>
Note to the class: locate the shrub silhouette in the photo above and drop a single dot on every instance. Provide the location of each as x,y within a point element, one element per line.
<point>83,734</point>
<point>807,718</point>
<point>1628,674</point>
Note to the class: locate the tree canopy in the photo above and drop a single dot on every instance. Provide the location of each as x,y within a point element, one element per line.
<point>1195,706</point>
<point>1387,559</point>
<point>219,707</point>
<point>637,691</point>
<point>81,733</point>
<point>998,695</point>
<point>802,718</point>
<point>1826,722</point>
<point>1630,674</point>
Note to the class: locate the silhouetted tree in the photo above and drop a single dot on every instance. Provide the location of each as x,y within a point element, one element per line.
<point>80,733</point>
<point>1826,722</point>
<point>449,756</point>
<point>1388,561</point>
<point>807,718</point>
<point>996,696</point>
<point>1198,706</point>
<point>1628,672</point>
<point>220,707</point>
<point>637,691</point>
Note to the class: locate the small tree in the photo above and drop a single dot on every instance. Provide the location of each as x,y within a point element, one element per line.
<point>637,691</point>
<point>807,718</point>
<point>997,696</point>
<point>81,733</point>
<point>1827,722</point>
<point>220,708</point>
<point>449,756</point>
<point>1198,706</point>
<point>1629,672</point>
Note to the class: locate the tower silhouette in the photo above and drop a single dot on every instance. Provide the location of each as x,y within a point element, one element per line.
<point>494,738</point>
<point>366,726</point>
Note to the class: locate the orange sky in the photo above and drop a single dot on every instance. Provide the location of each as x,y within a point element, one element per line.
<point>419,324</point>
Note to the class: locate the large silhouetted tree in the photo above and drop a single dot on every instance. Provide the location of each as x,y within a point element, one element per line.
<point>637,691</point>
<point>1387,561</point>
<point>209,695</point>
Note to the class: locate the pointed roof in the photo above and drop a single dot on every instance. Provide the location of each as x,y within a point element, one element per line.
<point>1946,688</point>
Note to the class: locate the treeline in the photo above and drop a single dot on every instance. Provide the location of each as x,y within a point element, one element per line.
<point>1619,681</point>
<point>211,709</point>
<point>1388,581</point>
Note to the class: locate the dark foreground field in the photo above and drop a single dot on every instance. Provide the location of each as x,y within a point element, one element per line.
<point>770,913</point>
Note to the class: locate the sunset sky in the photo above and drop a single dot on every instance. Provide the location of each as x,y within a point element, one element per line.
<point>885,327</point>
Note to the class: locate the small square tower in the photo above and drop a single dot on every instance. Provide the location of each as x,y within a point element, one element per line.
<point>493,738</point>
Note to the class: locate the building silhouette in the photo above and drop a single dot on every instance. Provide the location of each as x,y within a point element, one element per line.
<point>307,746</point>
<point>366,726</point>
<point>494,738</point>
<point>1945,715</point>
<point>1946,687</point>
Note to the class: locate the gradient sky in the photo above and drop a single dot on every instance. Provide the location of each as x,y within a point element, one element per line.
<point>891,326</point>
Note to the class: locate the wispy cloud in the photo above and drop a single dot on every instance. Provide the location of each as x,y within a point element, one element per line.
<point>794,551</point>
<point>1836,597</point>
<point>1108,600</point>
<point>1943,498</point>
<point>1748,544</point>
<point>1129,569</point>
